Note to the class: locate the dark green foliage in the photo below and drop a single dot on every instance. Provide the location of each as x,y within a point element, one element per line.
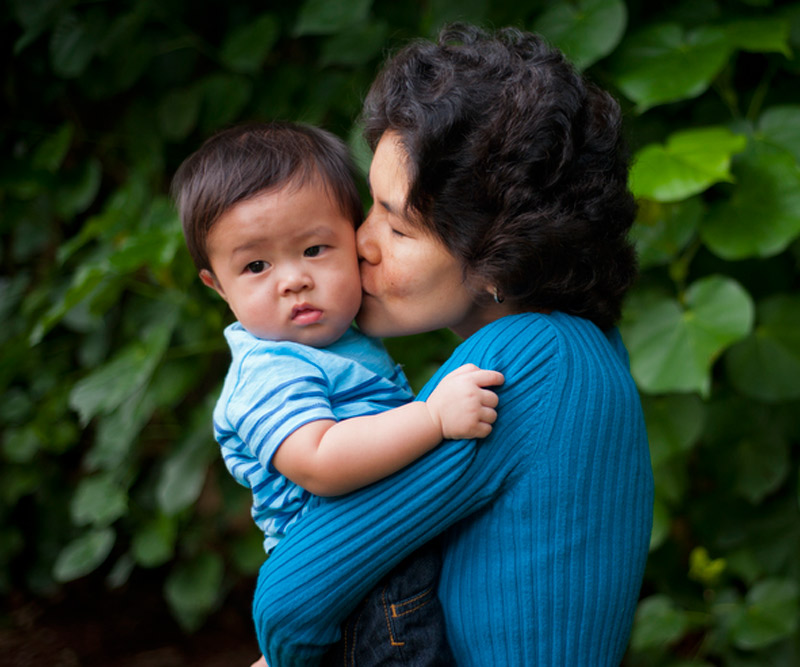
<point>112,353</point>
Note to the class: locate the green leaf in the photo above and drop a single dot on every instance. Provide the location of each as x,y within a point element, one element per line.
<point>117,432</point>
<point>703,569</point>
<point>658,622</point>
<point>84,554</point>
<point>662,231</point>
<point>154,542</point>
<point>85,282</point>
<point>73,44</point>
<point>185,470</point>
<point>674,424</point>
<point>21,444</point>
<point>99,500</point>
<point>690,162</point>
<point>224,97</point>
<point>108,386</point>
<point>661,524</point>
<point>192,589</point>
<point>763,464</point>
<point>762,216</point>
<point>355,46</point>
<point>772,613</point>
<point>77,191</point>
<point>780,127</point>
<point>586,30</point>
<point>246,47</point>
<point>440,12</point>
<point>761,35</point>
<point>50,154</point>
<point>178,112</point>
<point>665,63</point>
<point>766,365</point>
<point>322,17</point>
<point>673,346</point>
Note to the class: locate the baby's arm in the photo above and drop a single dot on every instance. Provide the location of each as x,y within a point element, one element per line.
<point>330,458</point>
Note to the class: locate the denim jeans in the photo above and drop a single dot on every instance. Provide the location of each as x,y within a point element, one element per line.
<point>400,622</point>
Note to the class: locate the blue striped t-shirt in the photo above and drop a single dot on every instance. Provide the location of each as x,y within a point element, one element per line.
<point>273,388</point>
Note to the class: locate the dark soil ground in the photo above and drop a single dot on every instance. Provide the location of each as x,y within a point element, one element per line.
<point>88,626</point>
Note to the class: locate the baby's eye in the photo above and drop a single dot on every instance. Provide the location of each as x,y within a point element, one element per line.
<point>257,267</point>
<point>314,250</point>
<point>397,232</point>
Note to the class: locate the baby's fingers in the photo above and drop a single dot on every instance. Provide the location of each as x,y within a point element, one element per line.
<point>488,415</point>
<point>489,398</point>
<point>486,378</point>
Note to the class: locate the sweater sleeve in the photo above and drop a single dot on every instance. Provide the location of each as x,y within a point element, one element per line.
<point>341,549</point>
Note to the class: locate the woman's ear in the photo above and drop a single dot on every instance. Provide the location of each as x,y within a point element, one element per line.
<point>210,280</point>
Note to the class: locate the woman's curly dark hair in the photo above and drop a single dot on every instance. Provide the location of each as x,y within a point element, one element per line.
<point>516,163</point>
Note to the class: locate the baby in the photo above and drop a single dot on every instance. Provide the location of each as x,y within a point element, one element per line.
<point>310,406</point>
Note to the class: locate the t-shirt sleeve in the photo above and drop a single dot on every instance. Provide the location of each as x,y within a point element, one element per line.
<point>275,394</point>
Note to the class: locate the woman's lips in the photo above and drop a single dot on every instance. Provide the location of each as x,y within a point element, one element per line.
<point>304,314</point>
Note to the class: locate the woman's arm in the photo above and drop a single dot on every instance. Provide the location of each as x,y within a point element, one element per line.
<point>341,549</point>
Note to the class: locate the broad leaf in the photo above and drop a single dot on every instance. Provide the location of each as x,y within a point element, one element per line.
<point>224,97</point>
<point>662,231</point>
<point>674,345</point>
<point>107,387</point>
<point>185,470</point>
<point>658,622</point>
<point>193,588</point>
<point>687,164</point>
<point>84,554</point>
<point>761,35</point>
<point>322,17</point>
<point>780,127</point>
<point>674,423</point>
<point>99,500</point>
<point>73,44</point>
<point>355,46</point>
<point>766,365</point>
<point>178,112</point>
<point>771,614</point>
<point>438,13</point>
<point>585,31</point>
<point>246,47</point>
<point>762,216</point>
<point>763,464</point>
<point>665,63</point>
<point>154,542</point>
<point>51,152</point>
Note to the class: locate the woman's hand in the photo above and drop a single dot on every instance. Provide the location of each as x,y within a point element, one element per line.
<point>261,662</point>
<point>462,406</point>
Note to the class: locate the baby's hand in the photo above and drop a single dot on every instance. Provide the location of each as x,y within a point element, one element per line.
<point>460,404</point>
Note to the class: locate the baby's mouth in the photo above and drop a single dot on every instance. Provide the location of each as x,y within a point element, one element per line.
<point>305,314</point>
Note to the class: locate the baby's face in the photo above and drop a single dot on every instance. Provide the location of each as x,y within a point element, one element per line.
<point>286,263</point>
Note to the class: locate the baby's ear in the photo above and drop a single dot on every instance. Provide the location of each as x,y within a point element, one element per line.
<point>210,280</point>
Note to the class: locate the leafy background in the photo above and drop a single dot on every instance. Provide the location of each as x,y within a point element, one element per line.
<point>112,353</point>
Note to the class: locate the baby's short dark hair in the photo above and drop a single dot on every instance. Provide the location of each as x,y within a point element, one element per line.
<point>241,162</point>
<point>516,163</point>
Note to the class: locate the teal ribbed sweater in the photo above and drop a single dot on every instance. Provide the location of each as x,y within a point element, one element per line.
<point>546,522</point>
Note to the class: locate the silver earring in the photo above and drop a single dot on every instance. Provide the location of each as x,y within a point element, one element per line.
<point>498,298</point>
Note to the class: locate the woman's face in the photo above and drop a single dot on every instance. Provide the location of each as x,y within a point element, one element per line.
<point>411,282</point>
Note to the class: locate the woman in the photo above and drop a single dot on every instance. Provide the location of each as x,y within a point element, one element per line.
<point>501,211</point>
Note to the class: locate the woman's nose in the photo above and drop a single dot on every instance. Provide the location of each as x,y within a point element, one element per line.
<point>367,243</point>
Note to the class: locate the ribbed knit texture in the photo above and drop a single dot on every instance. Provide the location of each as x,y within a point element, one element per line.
<point>546,522</point>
